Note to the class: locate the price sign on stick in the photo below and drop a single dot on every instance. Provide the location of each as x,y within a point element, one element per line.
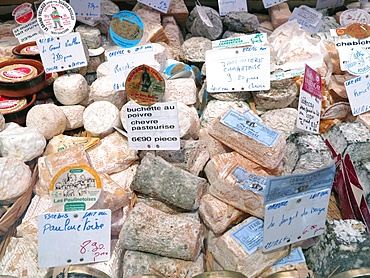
<point>78,237</point>
<point>90,8</point>
<point>296,207</point>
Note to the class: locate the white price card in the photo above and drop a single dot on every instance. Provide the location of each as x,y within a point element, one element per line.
<point>345,49</point>
<point>89,8</point>
<point>28,32</point>
<point>238,69</point>
<point>358,91</point>
<point>227,6</point>
<point>296,207</point>
<point>270,3</point>
<point>123,60</point>
<point>159,5</point>
<point>309,19</point>
<point>154,127</point>
<point>254,39</point>
<point>77,237</point>
<point>327,4</point>
<point>62,53</point>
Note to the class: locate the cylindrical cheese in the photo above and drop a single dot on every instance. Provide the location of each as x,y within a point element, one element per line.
<point>71,89</point>
<point>74,115</point>
<point>102,89</point>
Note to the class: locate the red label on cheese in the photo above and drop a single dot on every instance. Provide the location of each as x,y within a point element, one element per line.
<point>6,103</point>
<point>17,73</point>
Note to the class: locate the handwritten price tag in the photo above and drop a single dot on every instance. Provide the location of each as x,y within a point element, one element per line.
<point>90,8</point>
<point>62,53</point>
<point>300,216</point>
<point>358,90</point>
<point>160,5</point>
<point>79,237</point>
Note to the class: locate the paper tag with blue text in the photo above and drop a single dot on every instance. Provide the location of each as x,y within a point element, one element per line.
<point>249,235</point>
<point>296,207</point>
<point>89,8</point>
<point>358,91</point>
<point>123,60</point>
<point>249,181</point>
<point>238,69</point>
<point>227,6</point>
<point>255,39</point>
<point>327,4</point>
<point>28,32</point>
<point>250,127</point>
<point>69,238</point>
<point>309,19</point>
<point>62,53</point>
<point>270,3</point>
<point>159,5</point>
<point>295,257</point>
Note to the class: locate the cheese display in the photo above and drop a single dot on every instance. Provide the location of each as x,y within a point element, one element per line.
<point>179,190</point>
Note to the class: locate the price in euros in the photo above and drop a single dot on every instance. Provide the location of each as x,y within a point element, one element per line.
<point>97,249</point>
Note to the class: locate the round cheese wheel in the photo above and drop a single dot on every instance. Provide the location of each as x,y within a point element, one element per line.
<point>11,105</point>
<point>74,115</point>
<point>17,73</point>
<point>31,49</point>
<point>15,179</point>
<point>49,119</point>
<point>70,89</point>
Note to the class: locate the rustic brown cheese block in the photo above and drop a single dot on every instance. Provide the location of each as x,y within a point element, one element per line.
<point>158,178</point>
<point>232,256</point>
<point>150,230</point>
<point>268,157</point>
<point>224,185</point>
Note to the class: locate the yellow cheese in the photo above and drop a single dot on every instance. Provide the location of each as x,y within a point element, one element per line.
<point>17,73</point>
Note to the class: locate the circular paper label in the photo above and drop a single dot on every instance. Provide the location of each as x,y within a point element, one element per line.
<point>75,187</point>
<point>17,72</point>
<point>56,17</point>
<point>354,16</point>
<point>145,85</point>
<point>126,29</point>
<point>23,13</point>
<point>33,49</point>
<point>359,62</point>
<point>9,105</point>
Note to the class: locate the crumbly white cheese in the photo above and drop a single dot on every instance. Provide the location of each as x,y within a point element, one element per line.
<point>74,115</point>
<point>102,89</point>
<point>70,89</point>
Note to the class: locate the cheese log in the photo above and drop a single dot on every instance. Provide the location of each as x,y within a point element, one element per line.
<point>156,204</point>
<point>15,179</point>
<point>112,154</point>
<point>233,257</point>
<point>139,263</point>
<point>70,89</point>
<point>150,230</point>
<point>157,178</point>
<point>214,147</point>
<point>49,119</point>
<point>101,89</point>
<point>279,14</point>
<point>217,215</point>
<point>125,177</point>
<point>50,165</point>
<point>192,156</point>
<point>2,122</point>
<point>268,157</point>
<point>224,184</point>
<point>174,35</point>
<point>112,196</point>
<point>189,122</point>
<point>100,117</point>
<point>74,116</point>
<point>23,143</point>
<point>20,259</point>
<point>181,89</point>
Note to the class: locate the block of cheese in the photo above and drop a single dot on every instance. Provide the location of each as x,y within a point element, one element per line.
<point>102,89</point>
<point>179,11</point>
<point>174,35</point>
<point>279,14</point>
<point>217,215</point>
<point>125,177</point>
<point>283,120</point>
<point>61,142</point>
<point>112,154</point>
<point>112,196</point>
<point>100,117</point>
<point>15,179</point>
<point>70,89</point>
<point>139,263</point>
<point>20,259</point>
<point>268,157</point>
<point>238,181</point>
<point>189,122</point>
<point>180,89</point>
<point>195,48</point>
<point>158,178</point>
<point>248,258</point>
<point>49,119</point>
<point>23,143</point>
<point>90,35</point>
<point>214,147</point>
<point>74,115</point>
<point>50,165</point>
<point>150,230</point>
<point>157,204</point>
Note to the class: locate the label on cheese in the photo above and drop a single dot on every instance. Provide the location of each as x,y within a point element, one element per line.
<point>270,3</point>
<point>126,29</point>
<point>17,72</point>
<point>345,48</point>
<point>354,16</point>
<point>309,19</point>
<point>249,181</point>
<point>23,13</point>
<point>358,91</point>
<point>203,14</point>
<point>145,85</point>
<point>33,49</point>
<point>250,235</point>
<point>75,187</point>
<point>227,6</point>
<point>160,5</point>
<point>327,4</point>
<point>355,30</point>
<point>56,18</point>
<point>85,8</point>
<point>255,39</point>
<point>251,128</point>
<point>10,105</point>
<point>28,32</point>
<point>358,63</point>
<point>295,257</point>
